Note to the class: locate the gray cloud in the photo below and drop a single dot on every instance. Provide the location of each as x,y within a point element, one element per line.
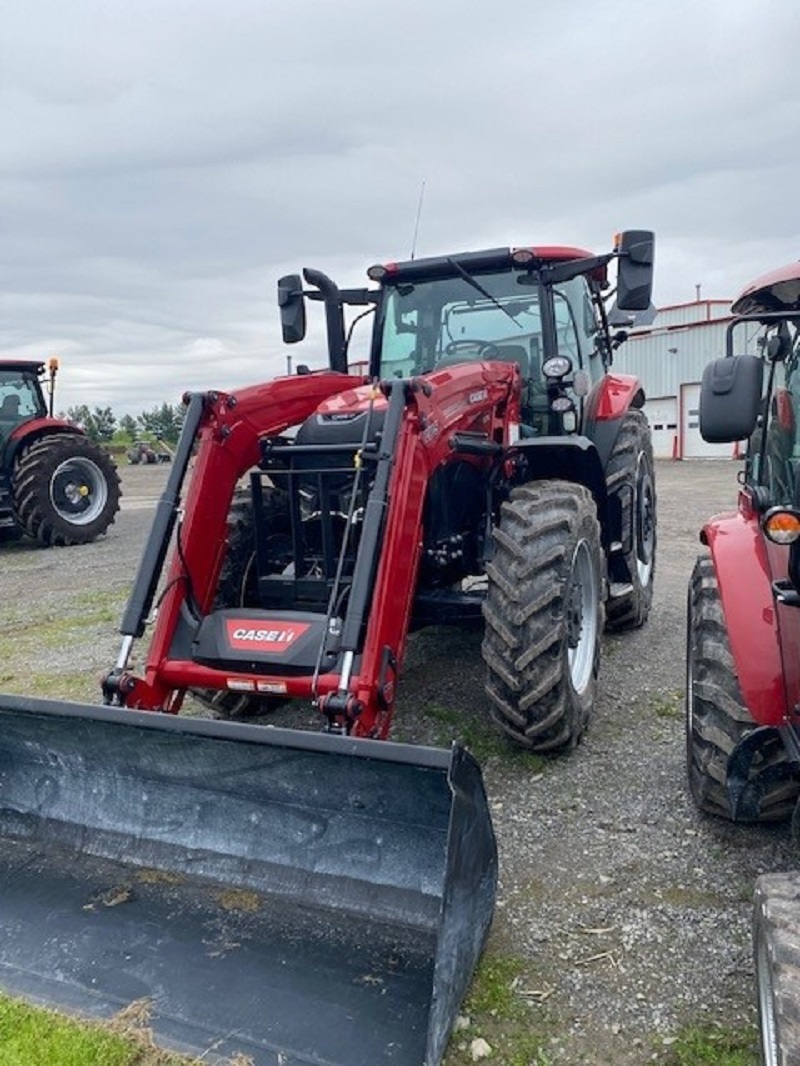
<point>162,163</point>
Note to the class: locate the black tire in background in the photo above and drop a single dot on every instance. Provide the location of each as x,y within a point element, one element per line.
<point>544,615</point>
<point>66,490</point>
<point>631,474</point>
<point>237,588</point>
<point>776,945</point>
<point>717,718</point>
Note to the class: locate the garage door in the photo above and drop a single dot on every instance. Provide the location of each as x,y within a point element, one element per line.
<point>662,414</point>
<point>694,447</point>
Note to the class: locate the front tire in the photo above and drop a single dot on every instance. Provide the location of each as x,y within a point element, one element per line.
<point>631,476</point>
<point>717,718</point>
<point>66,490</point>
<point>544,615</point>
<point>776,945</point>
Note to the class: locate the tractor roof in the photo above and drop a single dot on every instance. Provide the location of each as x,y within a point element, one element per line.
<point>491,258</point>
<point>774,292</point>
<point>22,366</point>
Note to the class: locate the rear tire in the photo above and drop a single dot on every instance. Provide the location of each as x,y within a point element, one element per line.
<point>66,490</point>
<point>237,588</point>
<point>631,475</point>
<point>544,615</point>
<point>776,944</point>
<point>716,715</point>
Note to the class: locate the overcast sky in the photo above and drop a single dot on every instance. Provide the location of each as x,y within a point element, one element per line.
<point>163,162</point>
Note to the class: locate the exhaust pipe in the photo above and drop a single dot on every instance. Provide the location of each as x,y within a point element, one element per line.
<point>300,898</point>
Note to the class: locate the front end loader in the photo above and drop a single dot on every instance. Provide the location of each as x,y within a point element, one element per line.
<point>743,630</point>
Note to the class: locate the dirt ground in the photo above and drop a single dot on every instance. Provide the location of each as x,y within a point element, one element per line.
<point>626,913</point>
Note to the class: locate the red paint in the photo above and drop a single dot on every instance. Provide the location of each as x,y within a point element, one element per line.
<point>611,397</point>
<point>34,427</point>
<point>761,294</point>
<point>744,574</point>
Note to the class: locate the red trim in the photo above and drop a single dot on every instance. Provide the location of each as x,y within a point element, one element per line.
<point>612,397</point>
<point>745,586</point>
<point>748,302</point>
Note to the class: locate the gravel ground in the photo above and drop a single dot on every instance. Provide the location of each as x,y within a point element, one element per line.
<point>629,911</point>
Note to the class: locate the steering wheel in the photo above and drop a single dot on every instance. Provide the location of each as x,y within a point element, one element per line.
<point>485,348</point>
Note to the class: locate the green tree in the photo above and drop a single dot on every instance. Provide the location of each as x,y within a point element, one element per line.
<point>163,422</point>
<point>129,426</point>
<point>99,424</point>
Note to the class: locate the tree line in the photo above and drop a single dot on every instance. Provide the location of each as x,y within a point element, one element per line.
<point>102,425</point>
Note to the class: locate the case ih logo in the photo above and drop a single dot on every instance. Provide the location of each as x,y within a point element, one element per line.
<point>244,635</point>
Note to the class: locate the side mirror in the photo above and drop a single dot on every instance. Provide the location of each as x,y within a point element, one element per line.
<point>292,307</point>
<point>730,398</point>
<point>636,251</point>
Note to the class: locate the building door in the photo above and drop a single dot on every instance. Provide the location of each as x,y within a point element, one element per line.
<point>662,414</point>
<point>692,444</point>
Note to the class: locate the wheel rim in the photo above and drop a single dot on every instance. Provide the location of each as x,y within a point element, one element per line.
<point>78,491</point>
<point>645,521</point>
<point>582,618</point>
<point>766,1001</point>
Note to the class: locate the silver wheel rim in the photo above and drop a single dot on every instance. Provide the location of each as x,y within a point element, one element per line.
<point>581,617</point>
<point>766,1000</point>
<point>78,491</point>
<point>645,522</point>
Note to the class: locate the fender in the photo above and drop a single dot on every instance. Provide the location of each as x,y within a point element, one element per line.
<point>606,405</point>
<point>573,459</point>
<point>25,433</point>
<point>745,586</point>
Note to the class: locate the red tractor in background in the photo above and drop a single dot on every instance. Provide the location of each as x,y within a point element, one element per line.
<point>489,471</point>
<point>56,485</point>
<point>743,652</point>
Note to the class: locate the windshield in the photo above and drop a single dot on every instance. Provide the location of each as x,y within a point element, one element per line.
<point>437,323</point>
<point>20,397</point>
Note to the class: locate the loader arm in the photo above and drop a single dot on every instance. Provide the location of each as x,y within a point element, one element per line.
<point>228,446</point>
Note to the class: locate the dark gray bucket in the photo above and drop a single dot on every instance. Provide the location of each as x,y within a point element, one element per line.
<point>300,898</point>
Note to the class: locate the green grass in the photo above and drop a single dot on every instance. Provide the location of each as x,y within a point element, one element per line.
<point>499,1012</point>
<point>33,1037</point>
<point>707,1045</point>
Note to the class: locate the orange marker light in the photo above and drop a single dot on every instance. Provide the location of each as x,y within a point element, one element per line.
<point>781,526</point>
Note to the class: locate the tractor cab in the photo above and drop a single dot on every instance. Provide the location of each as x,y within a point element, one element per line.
<point>21,395</point>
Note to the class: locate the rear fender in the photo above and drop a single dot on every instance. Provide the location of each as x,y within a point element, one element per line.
<point>25,434</point>
<point>745,587</point>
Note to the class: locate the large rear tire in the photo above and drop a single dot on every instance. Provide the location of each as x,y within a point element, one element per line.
<point>631,475</point>
<point>776,944</point>
<point>66,490</point>
<point>717,718</point>
<point>544,615</point>
<point>237,588</point>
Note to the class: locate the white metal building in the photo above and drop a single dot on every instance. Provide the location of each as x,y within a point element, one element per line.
<point>669,357</point>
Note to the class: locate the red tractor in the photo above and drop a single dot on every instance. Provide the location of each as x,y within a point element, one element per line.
<point>489,471</point>
<point>743,652</point>
<point>56,485</point>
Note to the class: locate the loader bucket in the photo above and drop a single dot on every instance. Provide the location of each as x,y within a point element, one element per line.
<point>298,898</point>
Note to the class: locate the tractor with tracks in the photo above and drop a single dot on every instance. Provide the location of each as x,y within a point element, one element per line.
<point>743,627</point>
<point>324,896</point>
<point>57,487</point>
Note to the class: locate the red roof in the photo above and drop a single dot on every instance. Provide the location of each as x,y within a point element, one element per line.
<point>777,291</point>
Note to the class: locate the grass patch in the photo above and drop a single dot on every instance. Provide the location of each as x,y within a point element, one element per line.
<point>498,1011</point>
<point>482,738</point>
<point>707,1045</point>
<point>33,1037</point>
<point>668,706</point>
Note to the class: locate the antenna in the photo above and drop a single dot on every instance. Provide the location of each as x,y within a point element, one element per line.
<point>416,222</point>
